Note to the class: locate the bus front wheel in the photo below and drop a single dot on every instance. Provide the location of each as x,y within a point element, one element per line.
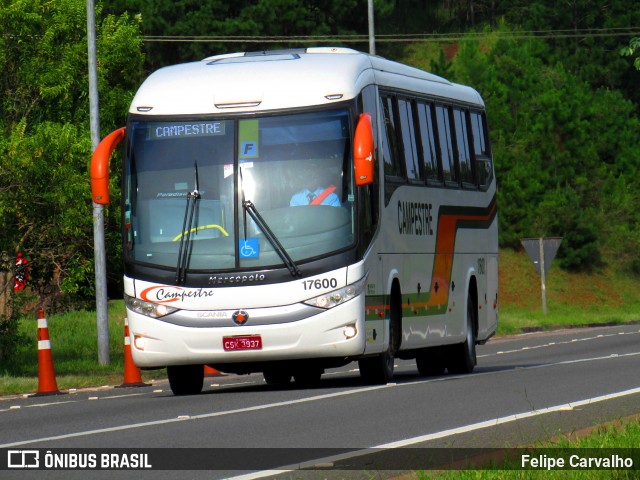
<point>379,369</point>
<point>186,379</point>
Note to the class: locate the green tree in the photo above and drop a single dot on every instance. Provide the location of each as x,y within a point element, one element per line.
<point>585,35</point>
<point>244,19</point>
<point>45,146</point>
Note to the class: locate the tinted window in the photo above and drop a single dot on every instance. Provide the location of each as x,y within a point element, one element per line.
<point>390,139</point>
<point>429,155</point>
<point>408,138</point>
<point>462,144</point>
<point>445,143</point>
<point>484,168</point>
<point>479,140</point>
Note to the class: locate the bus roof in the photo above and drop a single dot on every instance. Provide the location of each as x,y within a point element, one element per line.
<point>277,79</point>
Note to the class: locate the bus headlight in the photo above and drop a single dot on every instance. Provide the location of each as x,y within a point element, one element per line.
<point>153,310</point>
<point>337,297</point>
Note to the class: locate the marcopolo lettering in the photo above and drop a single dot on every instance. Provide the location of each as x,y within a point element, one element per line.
<point>236,279</point>
<point>414,218</point>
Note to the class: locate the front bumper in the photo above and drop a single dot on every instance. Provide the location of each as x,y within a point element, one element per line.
<point>158,343</point>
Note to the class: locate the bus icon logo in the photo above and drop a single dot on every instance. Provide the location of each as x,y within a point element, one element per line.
<point>249,248</point>
<point>23,459</point>
<point>240,317</point>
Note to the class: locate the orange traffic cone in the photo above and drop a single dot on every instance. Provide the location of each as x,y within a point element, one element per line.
<point>210,371</point>
<point>47,384</point>
<point>132,377</point>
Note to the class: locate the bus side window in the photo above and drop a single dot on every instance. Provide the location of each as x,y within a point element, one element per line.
<point>390,154</point>
<point>446,144</point>
<point>462,142</point>
<point>481,149</point>
<point>428,143</point>
<point>408,138</point>
<point>393,176</point>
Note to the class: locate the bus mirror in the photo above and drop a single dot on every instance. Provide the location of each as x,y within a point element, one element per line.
<point>100,166</point>
<point>363,151</point>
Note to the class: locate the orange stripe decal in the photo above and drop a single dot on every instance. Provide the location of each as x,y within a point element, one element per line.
<point>450,219</point>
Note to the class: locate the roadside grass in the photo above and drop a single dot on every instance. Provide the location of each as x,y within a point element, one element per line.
<point>573,299</point>
<point>622,438</point>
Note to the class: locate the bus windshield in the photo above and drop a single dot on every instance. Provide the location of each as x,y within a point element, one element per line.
<point>188,184</point>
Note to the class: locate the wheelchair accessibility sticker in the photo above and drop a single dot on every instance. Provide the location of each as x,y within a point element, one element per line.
<point>249,248</point>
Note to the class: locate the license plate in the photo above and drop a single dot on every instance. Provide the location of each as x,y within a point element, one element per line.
<point>249,342</point>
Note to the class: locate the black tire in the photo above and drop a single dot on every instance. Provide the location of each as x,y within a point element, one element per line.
<point>277,377</point>
<point>431,361</point>
<point>462,357</point>
<point>186,379</point>
<point>377,370</point>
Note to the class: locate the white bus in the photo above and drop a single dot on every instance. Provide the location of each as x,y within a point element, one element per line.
<point>290,211</point>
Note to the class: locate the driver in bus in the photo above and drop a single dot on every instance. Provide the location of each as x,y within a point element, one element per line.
<point>323,191</point>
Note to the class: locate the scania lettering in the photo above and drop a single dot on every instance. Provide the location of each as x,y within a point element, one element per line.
<point>291,211</point>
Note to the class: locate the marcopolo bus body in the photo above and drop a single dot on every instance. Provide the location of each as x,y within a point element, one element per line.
<point>290,211</point>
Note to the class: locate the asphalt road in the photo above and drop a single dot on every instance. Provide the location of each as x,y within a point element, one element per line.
<point>526,388</point>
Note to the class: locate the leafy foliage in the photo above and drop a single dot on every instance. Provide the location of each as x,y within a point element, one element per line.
<point>45,146</point>
<point>243,19</point>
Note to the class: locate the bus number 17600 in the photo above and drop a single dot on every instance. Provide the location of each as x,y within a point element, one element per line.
<point>318,283</point>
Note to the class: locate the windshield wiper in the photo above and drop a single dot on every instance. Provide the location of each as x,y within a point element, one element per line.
<point>253,212</point>
<point>187,224</point>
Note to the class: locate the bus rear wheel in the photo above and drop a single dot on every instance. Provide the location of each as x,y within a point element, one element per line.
<point>462,357</point>
<point>186,379</point>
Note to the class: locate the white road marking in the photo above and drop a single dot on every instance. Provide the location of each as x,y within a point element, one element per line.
<point>552,344</point>
<point>196,417</point>
<point>437,435</point>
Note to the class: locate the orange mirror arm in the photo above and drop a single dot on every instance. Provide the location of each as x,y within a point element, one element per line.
<point>100,166</point>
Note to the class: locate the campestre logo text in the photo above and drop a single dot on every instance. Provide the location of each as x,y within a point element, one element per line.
<point>164,294</point>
